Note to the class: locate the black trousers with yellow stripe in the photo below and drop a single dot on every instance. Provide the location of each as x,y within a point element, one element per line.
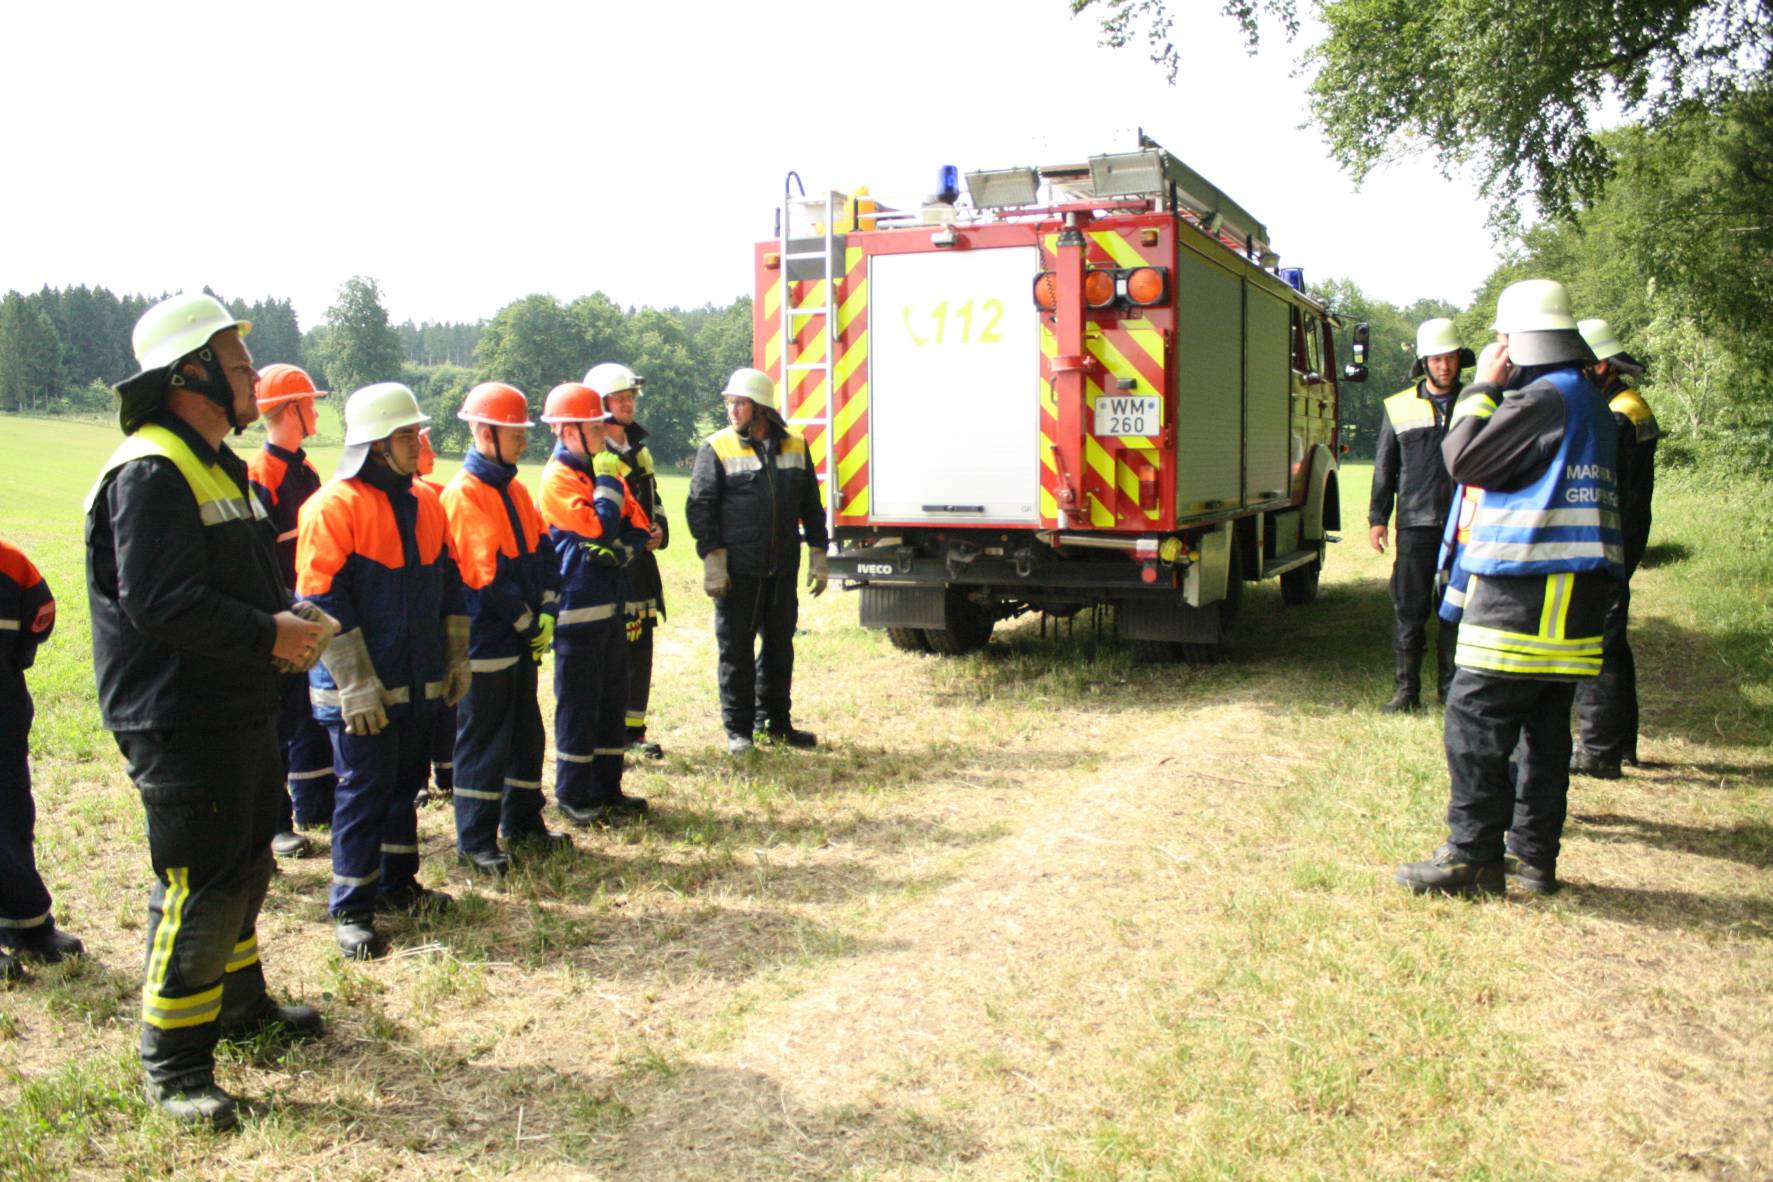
<point>213,800</point>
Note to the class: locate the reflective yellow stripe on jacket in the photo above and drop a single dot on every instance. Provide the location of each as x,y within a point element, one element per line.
<point>1545,653</point>
<point>219,499</point>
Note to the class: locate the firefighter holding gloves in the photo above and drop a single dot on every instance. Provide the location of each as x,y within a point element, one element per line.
<point>283,479</point>
<point>374,553</point>
<point>510,581</point>
<point>1408,470</point>
<point>620,388</point>
<point>27,617</point>
<point>597,527</point>
<point>1607,707</point>
<point>191,623</point>
<point>752,494</point>
<point>1538,551</point>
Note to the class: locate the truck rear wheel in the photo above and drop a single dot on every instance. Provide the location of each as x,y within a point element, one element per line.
<point>1299,585</point>
<point>911,640</point>
<point>969,627</point>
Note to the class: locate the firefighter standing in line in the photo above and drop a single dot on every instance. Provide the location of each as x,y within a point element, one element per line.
<point>283,479</point>
<point>1408,468</point>
<point>1607,707</point>
<point>510,582</point>
<point>598,527</point>
<point>620,388</point>
<point>191,623</point>
<point>374,553</point>
<point>1537,552</point>
<point>752,493</point>
<point>442,743</point>
<point>27,617</point>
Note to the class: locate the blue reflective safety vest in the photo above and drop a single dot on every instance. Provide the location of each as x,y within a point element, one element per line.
<point>1567,519</point>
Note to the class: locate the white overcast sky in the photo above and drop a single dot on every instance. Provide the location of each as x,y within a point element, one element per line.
<point>468,154</point>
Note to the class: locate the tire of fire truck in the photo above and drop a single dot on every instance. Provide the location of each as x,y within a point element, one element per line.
<point>969,626</point>
<point>1299,585</point>
<point>911,640</point>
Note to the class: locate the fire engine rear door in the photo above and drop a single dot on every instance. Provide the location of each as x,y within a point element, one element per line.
<point>954,387</point>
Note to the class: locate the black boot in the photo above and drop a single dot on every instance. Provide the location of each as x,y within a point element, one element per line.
<point>1443,659</point>
<point>1593,766</point>
<point>282,1024</point>
<point>1447,872</point>
<point>357,937</point>
<point>45,942</point>
<point>200,1104</point>
<point>1407,698</point>
<point>1538,877</point>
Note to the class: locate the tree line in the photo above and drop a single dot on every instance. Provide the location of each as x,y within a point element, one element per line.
<point>61,351</point>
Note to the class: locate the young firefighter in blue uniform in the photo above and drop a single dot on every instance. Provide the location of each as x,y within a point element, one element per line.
<point>597,528</point>
<point>27,616</point>
<point>283,479</point>
<point>1538,549</point>
<point>620,388</point>
<point>374,554</point>
<point>191,625</point>
<point>443,724</point>
<point>510,580</point>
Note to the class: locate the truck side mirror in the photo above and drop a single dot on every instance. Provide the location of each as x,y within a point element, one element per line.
<point>1356,370</point>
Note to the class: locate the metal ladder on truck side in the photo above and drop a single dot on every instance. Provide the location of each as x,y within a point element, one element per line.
<point>812,257</point>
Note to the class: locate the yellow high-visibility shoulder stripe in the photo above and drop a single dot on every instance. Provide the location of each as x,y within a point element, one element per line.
<point>1476,405</point>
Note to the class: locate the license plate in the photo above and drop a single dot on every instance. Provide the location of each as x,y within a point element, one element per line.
<point>1128,414</point>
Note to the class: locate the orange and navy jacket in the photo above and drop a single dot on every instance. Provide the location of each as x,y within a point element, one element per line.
<point>581,508</point>
<point>509,576</point>
<point>373,552</point>
<point>27,617</point>
<point>283,481</point>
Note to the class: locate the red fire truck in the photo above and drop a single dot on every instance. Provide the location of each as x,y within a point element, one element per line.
<point>1079,385</point>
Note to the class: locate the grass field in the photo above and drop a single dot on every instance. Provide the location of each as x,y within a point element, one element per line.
<point>1040,912</point>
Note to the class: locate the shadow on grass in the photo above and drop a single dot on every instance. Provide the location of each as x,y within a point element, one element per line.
<point>1671,910</point>
<point>1665,554</point>
<point>1750,843</point>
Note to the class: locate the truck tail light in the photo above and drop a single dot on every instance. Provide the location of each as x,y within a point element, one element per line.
<point>1098,288</point>
<point>1146,286</point>
<point>1046,291</point>
<point>1147,487</point>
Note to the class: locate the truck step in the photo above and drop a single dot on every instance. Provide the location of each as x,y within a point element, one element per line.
<point>1286,562</point>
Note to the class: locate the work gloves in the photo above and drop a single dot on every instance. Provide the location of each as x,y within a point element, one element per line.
<point>361,696</point>
<point>543,640</point>
<point>606,463</point>
<point>330,629</point>
<point>818,571</point>
<point>600,555</point>
<point>636,626</point>
<point>456,676</point>
<point>715,581</point>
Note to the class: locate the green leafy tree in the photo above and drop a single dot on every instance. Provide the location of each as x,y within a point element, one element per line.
<point>1511,87</point>
<point>276,334</point>
<point>675,402</point>
<point>534,344</point>
<point>359,346</point>
<point>603,326</point>
<point>30,356</point>
<point>1391,349</point>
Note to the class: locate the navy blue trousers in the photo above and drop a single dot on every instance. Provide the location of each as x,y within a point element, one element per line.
<point>591,704</point>
<point>443,749</point>
<point>375,818</point>
<point>499,750</point>
<point>307,758</point>
<point>24,900</point>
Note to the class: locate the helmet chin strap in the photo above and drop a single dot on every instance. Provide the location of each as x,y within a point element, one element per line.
<point>213,385</point>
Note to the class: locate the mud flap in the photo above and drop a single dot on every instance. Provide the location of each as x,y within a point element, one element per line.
<point>903,607</point>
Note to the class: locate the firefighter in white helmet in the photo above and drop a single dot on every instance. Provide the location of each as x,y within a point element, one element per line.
<point>1607,707</point>
<point>374,551</point>
<point>1537,549</point>
<point>191,622</point>
<point>753,497</point>
<point>626,439</point>
<point>1408,470</point>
